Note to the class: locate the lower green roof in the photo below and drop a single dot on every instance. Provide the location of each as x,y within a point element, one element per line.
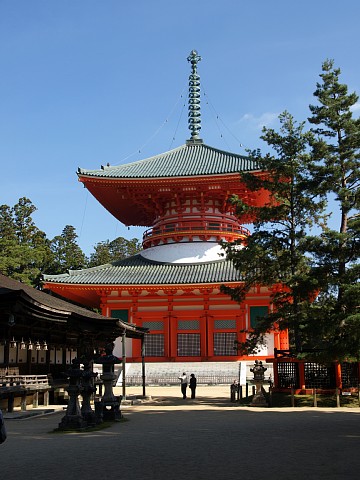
<point>137,270</point>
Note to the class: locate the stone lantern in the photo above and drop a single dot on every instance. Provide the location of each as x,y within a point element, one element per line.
<point>109,404</point>
<point>258,370</point>
<point>87,390</point>
<point>73,418</point>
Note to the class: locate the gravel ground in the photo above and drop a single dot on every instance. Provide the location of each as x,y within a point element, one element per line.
<point>168,438</point>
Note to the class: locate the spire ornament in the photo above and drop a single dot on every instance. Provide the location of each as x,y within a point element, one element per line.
<point>194,121</point>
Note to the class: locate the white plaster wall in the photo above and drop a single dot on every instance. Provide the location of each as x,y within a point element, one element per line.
<point>267,349</point>
<point>192,252</point>
<point>118,347</point>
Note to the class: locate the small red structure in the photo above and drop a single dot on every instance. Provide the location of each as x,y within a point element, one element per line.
<point>305,376</point>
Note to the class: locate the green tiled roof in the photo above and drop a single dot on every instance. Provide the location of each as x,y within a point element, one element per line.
<point>137,270</point>
<point>188,160</point>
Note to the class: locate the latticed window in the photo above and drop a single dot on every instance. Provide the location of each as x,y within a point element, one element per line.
<point>224,324</point>
<point>288,374</point>
<point>319,376</point>
<point>188,344</point>
<point>154,345</point>
<point>153,325</point>
<point>224,343</point>
<point>188,325</point>
<point>349,375</point>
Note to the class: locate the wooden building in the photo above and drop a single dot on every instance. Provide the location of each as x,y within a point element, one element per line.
<point>41,334</point>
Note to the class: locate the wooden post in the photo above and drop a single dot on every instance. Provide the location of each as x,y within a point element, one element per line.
<point>292,397</point>
<point>276,373</point>
<point>123,366</point>
<point>10,403</point>
<point>36,400</point>
<point>143,365</point>
<point>337,397</point>
<point>46,398</point>
<point>23,403</point>
<point>315,398</point>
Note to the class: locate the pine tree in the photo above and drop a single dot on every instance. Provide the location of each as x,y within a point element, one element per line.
<point>9,248</point>
<point>24,248</point>
<point>66,251</point>
<point>335,253</point>
<point>273,255</point>
<point>117,249</point>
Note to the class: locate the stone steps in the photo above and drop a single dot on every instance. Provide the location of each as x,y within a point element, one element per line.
<point>163,373</point>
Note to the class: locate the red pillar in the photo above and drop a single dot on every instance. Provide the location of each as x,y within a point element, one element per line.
<point>276,374</point>
<point>338,379</point>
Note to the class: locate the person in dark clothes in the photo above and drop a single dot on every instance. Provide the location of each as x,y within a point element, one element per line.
<point>234,387</point>
<point>184,383</point>
<point>192,385</point>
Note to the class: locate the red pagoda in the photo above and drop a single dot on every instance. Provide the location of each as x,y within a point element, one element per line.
<point>173,285</point>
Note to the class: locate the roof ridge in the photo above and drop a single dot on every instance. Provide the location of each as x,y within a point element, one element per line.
<point>76,271</point>
<point>204,146</point>
<point>120,165</point>
<point>224,151</point>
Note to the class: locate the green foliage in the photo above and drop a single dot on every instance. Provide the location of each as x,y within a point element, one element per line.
<point>24,249</point>
<point>67,255</point>
<point>336,142</point>
<point>110,251</point>
<point>26,253</point>
<point>274,255</point>
<point>335,253</point>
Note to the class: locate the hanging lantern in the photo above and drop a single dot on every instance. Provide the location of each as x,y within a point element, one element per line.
<point>45,346</point>
<point>30,345</point>
<point>22,345</point>
<point>13,343</point>
<point>37,346</point>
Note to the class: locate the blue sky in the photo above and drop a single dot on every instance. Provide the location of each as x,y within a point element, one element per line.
<point>87,82</point>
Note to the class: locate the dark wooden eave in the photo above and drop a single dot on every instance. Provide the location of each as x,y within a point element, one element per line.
<point>31,306</point>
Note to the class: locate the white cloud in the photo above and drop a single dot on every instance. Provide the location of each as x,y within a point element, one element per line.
<point>264,120</point>
<point>355,107</point>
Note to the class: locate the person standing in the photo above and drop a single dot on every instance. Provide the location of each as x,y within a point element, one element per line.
<point>184,383</point>
<point>192,385</point>
<point>234,388</point>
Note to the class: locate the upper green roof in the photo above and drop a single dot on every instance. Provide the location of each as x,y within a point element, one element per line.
<point>137,270</point>
<point>191,159</point>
